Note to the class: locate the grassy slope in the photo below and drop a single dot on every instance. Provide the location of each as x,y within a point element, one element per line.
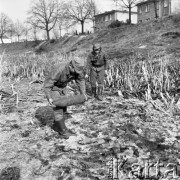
<point>142,40</point>
<point>132,129</point>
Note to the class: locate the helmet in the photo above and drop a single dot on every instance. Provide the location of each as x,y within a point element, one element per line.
<point>78,64</point>
<point>96,47</point>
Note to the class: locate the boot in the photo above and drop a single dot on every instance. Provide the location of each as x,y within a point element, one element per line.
<point>99,96</point>
<point>58,127</point>
<point>93,92</point>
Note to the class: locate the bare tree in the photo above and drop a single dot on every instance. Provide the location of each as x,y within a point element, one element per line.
<point>95,11</point>
<point>5,25</point>
<point>63,24</point>
<point>27,30</point>
<point>11,31</point>
<point>79,11</point>
<point>34,31</point>
<point>127,4</point>
<point>55,34</point>
<point>43,14</point>
<point>60,25</point>
<point>19,29</point>
<point>156,7</point>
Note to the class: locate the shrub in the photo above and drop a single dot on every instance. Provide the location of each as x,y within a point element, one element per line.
<point>176,18</point>
<point>35,43</point>
<point>52,41</point>
<point>115,24</point>
<point>127,21</point>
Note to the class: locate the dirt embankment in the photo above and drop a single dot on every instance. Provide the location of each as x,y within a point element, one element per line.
<point>113,134</point>
<point>155,39</point>
<point>128,130</point>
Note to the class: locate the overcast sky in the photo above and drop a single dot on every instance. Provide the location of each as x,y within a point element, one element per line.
<point>17,9</point>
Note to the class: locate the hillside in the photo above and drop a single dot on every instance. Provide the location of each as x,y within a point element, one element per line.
<point>134,133</point>
<point>157,38</point>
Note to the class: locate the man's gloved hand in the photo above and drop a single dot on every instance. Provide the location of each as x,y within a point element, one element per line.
<point>86,97</point>
<point>51,103</point>
<point>86,76</point>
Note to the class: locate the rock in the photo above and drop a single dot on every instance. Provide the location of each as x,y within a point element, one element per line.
<point>45,115</point>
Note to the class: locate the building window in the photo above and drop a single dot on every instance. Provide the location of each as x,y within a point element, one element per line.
<point>109,17</point>
<point>165,3</point>
<point>106,18</point>
<point>140,10</point>
<point>103,18</point>
<point>147,8</point>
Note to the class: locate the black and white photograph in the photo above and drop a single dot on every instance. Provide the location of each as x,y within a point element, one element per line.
<point>89,89</point>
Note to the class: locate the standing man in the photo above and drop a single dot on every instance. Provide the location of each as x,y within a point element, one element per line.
<point>55,89</point>
<point>96,68</point>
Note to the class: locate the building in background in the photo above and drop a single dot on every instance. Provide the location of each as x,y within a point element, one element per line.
<point>88,28</point>
<point>5,40</point>
<point>147,9</point>
<point>104,19</point>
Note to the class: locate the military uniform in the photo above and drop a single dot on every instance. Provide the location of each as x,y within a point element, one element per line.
<point>55,87</point>
<point>96,66</point>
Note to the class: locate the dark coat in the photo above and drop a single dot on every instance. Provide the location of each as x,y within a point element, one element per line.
<point>60,76</point>
<point>98,61</point>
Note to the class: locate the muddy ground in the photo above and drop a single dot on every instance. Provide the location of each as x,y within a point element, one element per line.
<point>111,137</point>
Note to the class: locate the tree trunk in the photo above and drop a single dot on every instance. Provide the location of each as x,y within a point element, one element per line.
<point>35,37</point>
<point>155,9</point>
<point>60,32</point>
<point>18,38</point>
<point>129,14</point>
<point>2,40</point>
<point>48,36</point>
<point>82,27</point>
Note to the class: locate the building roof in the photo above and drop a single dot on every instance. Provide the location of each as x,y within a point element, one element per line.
<point>144,2</point>
<point>5,37</point>
<point>113,11</point>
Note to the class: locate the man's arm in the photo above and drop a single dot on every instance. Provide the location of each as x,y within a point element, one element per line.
<point>88,64</point>
<point>105,62</point>
<point>80,81</point>
<point>51,78</point>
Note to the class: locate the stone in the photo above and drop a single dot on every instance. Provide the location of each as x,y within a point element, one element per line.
<point>45,115</point>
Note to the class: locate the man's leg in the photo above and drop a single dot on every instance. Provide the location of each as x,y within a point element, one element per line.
<point>59,124</point>
<point>66,114</point>
<point>100,80</point>
<point>93,76</point>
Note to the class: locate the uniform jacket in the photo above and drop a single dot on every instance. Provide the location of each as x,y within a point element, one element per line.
<point>97,61</point>
<point>59,77</point>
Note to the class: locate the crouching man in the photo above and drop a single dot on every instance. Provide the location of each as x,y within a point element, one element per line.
<point>55,89</point>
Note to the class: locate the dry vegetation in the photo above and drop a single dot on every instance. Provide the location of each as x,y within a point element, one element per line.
<point>137,121</point>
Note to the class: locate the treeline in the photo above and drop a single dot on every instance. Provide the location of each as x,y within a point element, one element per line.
<point>48,16</point>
